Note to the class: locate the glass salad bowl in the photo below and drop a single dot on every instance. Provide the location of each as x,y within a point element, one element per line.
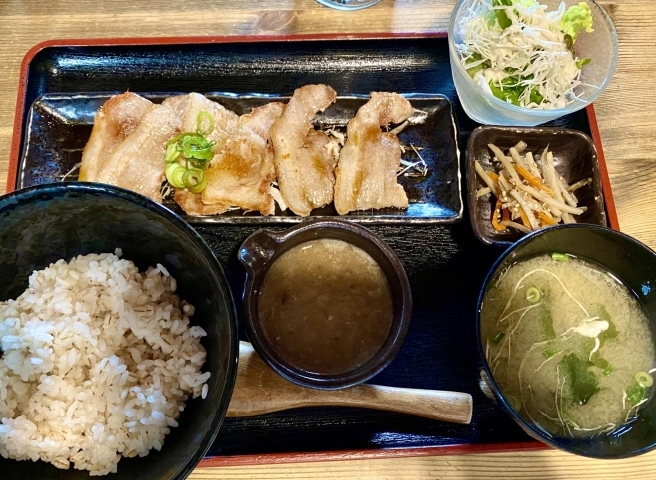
<point>348,4</point>
<point>600,46</point>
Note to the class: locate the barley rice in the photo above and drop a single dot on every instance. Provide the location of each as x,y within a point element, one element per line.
<point>98,359</point>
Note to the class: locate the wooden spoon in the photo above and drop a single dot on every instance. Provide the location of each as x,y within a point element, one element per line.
<point>260,390</point>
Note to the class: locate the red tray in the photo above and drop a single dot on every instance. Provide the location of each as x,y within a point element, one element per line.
<point>356,63</point>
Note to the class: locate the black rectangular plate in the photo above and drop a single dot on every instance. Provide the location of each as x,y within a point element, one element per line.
<point>446,265</point>
<point>59,126</point>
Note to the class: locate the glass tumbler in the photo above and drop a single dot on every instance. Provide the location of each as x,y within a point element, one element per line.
<point>348,4</point>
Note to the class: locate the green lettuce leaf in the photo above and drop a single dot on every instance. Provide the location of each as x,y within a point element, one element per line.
<point>575,19</point>
<point>473,71</point>
<point>581,62</point>
<point>511,90</point>
<point>525,3</point>
<point>504,21</point>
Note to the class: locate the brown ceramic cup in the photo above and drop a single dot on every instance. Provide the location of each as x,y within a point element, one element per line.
<point>260,251</point>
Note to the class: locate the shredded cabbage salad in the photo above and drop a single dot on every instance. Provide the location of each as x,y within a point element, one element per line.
<point>523,54</point>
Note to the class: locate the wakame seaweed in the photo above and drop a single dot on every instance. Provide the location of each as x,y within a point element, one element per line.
<point>583,384</point>
<point>546,321</point>
<point>611,332</point>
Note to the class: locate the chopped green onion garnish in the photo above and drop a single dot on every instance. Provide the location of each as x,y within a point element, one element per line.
<point>188,155</point>
<point>636,394</point>
<point>644,379</point>
<point>200,119</point>
<point>194,180</point>
<point>175,139</point>
<point>548,353</point>
<point>606,368</point>
<point>175,173</point>
<point>497,338</point>
<point>196,146</point>
<point>532,295</point>
<point>171,153</point>
<point>197,163</point>
<point>560,257</point>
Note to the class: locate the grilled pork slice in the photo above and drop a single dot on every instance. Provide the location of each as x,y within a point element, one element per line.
<point>303,167</point>
<point>192,203</point>
<point>242,170</point>
<point>369,161</point>
<point>137,163</point>
<point>225,122</point>
<point>115,120</point>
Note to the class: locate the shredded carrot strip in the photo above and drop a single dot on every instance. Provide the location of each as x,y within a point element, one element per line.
<point>525,221</point>
<point>505,215</point>
<point>495,217</point>
<point>533,180</point>
<point>493,176</point>
<point>547,219</point>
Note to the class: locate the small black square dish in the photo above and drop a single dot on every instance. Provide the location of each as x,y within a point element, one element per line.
<point>575,159</point>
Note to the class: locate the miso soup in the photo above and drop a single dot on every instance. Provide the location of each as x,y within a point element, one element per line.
<point>569,345</point>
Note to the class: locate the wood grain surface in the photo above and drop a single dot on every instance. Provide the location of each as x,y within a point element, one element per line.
<point>625,113</point>
<point>260,390</point>
<point>539,465</point>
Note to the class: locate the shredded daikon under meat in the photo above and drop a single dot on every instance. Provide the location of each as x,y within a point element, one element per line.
<point>277,197</point>
<point>417,168</point>
<point>167,190</point>
<point>336,135</point>
<point>409,167</point>
<point>529,60</point>
<point>73,169</point>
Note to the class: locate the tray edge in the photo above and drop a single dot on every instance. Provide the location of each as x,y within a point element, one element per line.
<point>371,454</point>
<point>609,200</point>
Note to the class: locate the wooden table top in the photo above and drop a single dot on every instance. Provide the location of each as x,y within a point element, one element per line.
<point>625,114</point>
